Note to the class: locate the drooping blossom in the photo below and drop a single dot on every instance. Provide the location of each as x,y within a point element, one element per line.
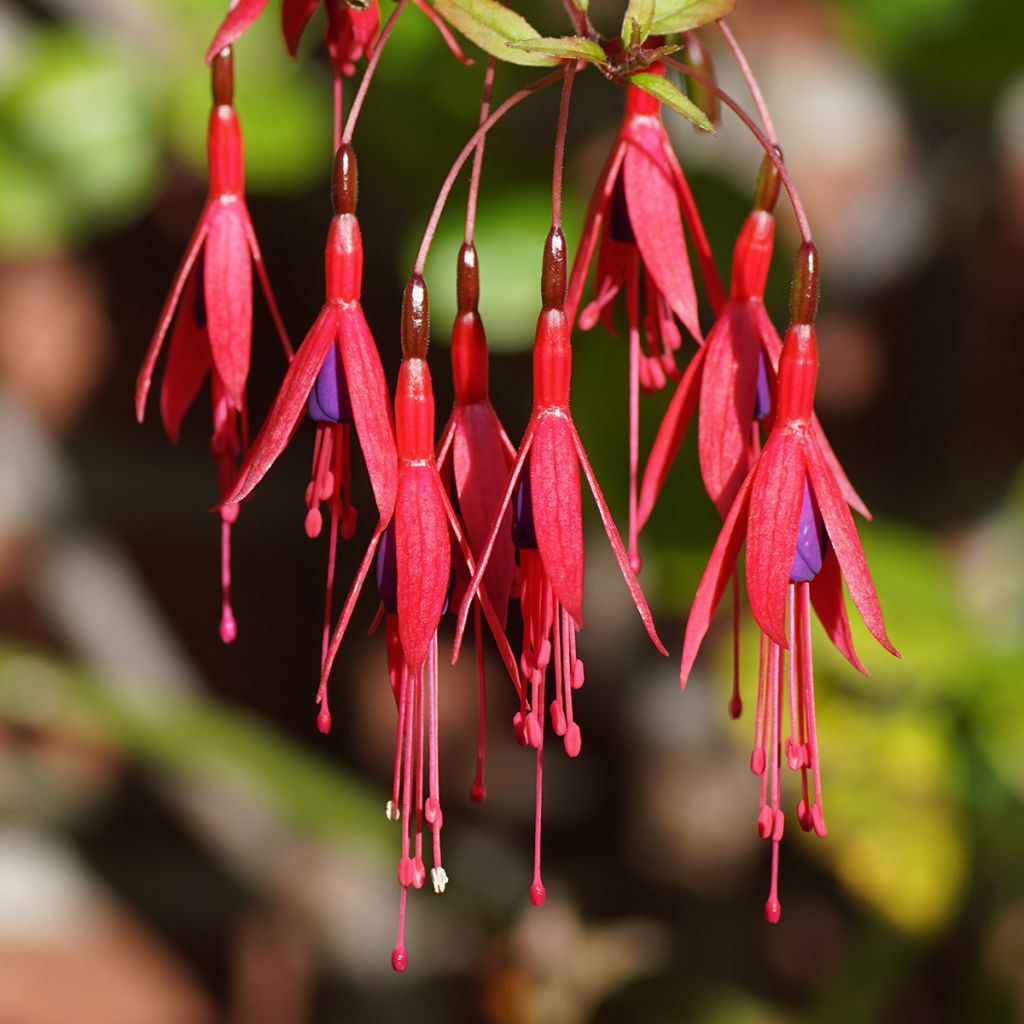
<point>412,549</point>
<point>474,459</point>
<point>208,315</point>
<point>801,545</point>
<point>350,33</point>
<point>336,378</point>
<point>548,533</point>
<point>635,220</point>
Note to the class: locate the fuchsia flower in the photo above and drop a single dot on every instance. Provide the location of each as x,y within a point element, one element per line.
<point>210,304</point>
<point>474,458</point>
<point>413,562</point>
<point>548,532</point>
<point>637,212</point>
<point>801,545</point>
<point>338,379</point>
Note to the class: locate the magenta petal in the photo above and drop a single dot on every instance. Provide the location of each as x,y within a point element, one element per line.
<point>295,15</point>
<point>717,575</point>
<point>827,597</point>
<point>776,498</point>
<point>557,510</point>
<point>424,559</point>
<point>289,405</point>
<point>481,471</point>
<point>727,394</point>
<point>670,436</point>
<point>655,219</point>
<point>188,361</point>
<point>228,292</point>
<point>371,404</point>
<point>842,535</point>
<point>240,16</point>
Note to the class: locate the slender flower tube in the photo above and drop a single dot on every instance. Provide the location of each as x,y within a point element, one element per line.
<point>338,379</point>
<point>636,214</point>
<point>801,545</point>
<point>412,551</point>
<point>210,305</point>
<point>548,533</point>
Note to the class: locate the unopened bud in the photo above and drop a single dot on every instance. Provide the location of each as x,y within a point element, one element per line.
<point>803,298</point>
<point>468,279</point>
<point>345,181</point>
<point>553,276</point>
<point>768,182</point>
<point>223,78</point>
<point>415,319</point>
<point>699,58</point>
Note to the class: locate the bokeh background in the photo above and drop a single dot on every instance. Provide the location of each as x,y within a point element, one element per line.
<point>177,842</point>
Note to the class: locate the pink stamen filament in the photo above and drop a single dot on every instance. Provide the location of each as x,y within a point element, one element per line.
<point>633,317</point>
<point>804,627</point>
<point>478,791</point>
<point>735,702</point>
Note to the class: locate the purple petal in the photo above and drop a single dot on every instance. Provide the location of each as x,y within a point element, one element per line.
<point>811,542</point>
<point>329,400</point>
<point>523,533</point>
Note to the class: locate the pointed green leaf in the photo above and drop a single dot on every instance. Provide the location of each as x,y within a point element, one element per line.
<point>636,24</point>
<point>682,15</point>
<point>565,48</point>
<point>672,97</point>
<point>492,26</point>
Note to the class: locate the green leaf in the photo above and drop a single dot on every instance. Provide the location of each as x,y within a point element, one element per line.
<point>564,47</point>
<point>682,15</point>
<point>636,23</point>
<point>672,97</point>
<point>492,27</point>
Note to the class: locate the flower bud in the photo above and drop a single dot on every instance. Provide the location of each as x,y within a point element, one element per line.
<point>699,58</point>
<point>223,78</point>
<point>415,319</point>
<point>345,180</point>
<point>468,279</point>
<point>803,297</point>
<point>768,181</point>
<point>553,276</point>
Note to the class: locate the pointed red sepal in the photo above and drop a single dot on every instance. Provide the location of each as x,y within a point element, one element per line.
<point>480,466</point>
<point>557,510</point>
<point>727,394</point>
<point>145,377</point>
<point>423,554</point>
<point>188,362</point>
<point>826,591</point>
<point>371,404</point>
<point>446,34</point>
<point>289,405</point>
<point>842,535</point>
<point>295,15</point>
<point>227,276</point>
<point>717,575</point>
<point>616,545</point>
<point>670,436</point>
<point>775,501</point>
<point>240,16</point>
<point>655,219</point>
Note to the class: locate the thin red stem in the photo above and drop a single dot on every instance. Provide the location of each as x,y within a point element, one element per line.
<point>755,89</point>
<point>560,133</point>
<point>478,157</point>
<point>765,142</point>
<point>467,150</point>
<point>371,67</point>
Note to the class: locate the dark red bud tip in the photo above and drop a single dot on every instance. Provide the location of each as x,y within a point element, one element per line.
<point>468,279</point>
<point>345,181</point>
<point>699,58</point>
<point>803,298</point>
<point>768,183</point>
<point>223,78</point>
<point>553,277</point>
<point>399,959</point>
<point>415,319</point>
<point>538,894</point>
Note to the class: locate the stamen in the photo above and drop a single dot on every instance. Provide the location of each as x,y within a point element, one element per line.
<point>807,671</point>
<point>735,702</point>
<point>432,810</point>
<point>794,749</point>
<point>537,891</point>
<point>632,307</point>
<point>478,791</point>
<point>419,870</point>
<point>757,757</point>
<point>228,625</point>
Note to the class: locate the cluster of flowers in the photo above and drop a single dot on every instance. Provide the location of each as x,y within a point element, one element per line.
<point>474,523</point>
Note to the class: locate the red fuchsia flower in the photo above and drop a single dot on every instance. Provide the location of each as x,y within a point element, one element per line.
<point>412,549</point>
<point>337,378</point>
<point>474,459</point>
<point>351,31</point>
<point>801,545</point>
<point>635,219</point>
<point>548,533</point>
<point>210,304</point>
<point>732,378</point>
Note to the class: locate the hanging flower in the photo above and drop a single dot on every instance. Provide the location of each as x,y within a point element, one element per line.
<point>412,550</point>
<point>801,545</point>
<point>338,379</point>
<point>474,458</point>
<point>210,306</point>
<point>548,533</point>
